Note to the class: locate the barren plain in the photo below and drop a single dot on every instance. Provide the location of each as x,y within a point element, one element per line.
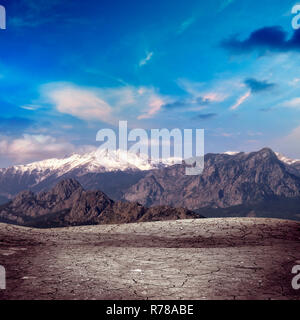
<point>234,258</point>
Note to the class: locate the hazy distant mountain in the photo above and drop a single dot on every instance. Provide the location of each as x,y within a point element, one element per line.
<point>227,180</point>
<point>68,204</point>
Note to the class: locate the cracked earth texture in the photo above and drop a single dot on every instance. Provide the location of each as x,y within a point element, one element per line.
<point>238,258</point>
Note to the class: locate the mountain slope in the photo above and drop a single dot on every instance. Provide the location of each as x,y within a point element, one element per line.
<point>230,179</point>
<point>68,204</point>
<point>96,170</point>
<point>227,180</point>
<point>3,200</point>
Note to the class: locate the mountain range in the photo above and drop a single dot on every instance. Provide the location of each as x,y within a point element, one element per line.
<point>95,171</point>
<point>232,184</point>
<point>227,180</point>
<point>68,204</point>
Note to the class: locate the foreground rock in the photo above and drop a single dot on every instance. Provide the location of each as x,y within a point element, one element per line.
<point>68,204</point>
<point>186,259</point>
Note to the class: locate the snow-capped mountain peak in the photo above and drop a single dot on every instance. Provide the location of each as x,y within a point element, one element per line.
<point>98,161</point>
<point>111,172</point>
<point>107,171</point>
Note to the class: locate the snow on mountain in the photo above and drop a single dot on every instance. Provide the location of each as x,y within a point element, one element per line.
<point>93,162</point>
<point>100,161</point>
<point>285,159</point>
<point>231,153</point>
<point>111,172</point>
<point>280,156</point>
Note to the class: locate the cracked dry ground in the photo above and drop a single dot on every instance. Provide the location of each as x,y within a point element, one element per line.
<point>187,259</point>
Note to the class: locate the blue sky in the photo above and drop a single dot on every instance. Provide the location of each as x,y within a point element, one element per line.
<point>69,68</point>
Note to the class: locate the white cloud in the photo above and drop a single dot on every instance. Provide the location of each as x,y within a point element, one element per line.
<point>293,103</point>
<point>36,147</point>
<point>148,57</point>
<point>82,103</point>
<point>193,88</point>
<point>108,105</point>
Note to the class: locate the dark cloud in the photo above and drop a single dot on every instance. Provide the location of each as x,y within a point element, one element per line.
<point>258,86</point>
<point>202,101</point>
<point>176,105</point>
<point>205,116</point>
<point>264,40</point>
<point>180,104</point>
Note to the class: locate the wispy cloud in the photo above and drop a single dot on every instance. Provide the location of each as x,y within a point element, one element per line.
<point>225,4</point>
<point>197,89</point>
<point>154,106</point>
<point>295,82</point>
<point>186,24</point>
<point>293,103</point>
<point>145,60</point>
<point>30,107</point>
<point>241,100</point>
<point>35,13</point>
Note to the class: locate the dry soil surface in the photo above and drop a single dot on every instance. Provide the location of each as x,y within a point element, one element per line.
<point>187,259</point>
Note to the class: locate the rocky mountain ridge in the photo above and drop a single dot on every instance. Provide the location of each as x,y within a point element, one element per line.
<point>227,180</point>
<point>68,204</point>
